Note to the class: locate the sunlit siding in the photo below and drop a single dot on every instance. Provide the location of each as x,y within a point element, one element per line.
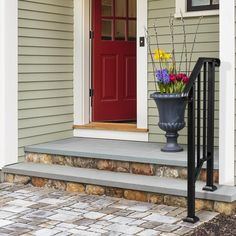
<point>45,71</point>
<point>207,45</point>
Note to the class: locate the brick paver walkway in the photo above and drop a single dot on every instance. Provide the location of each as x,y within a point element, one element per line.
<point>26,210</point>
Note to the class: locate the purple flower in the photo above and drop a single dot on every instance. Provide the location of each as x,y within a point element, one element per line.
<point>162,76</point>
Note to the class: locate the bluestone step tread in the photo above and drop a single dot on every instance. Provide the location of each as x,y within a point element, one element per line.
<point>142,152</point>
<point>120,180</point>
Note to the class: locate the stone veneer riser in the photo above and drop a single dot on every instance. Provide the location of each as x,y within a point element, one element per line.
<point>117,166</point>
<point>171,200</point>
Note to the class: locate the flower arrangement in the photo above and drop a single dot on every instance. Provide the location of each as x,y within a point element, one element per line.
<point>169,79</point>
<point>166,77</point>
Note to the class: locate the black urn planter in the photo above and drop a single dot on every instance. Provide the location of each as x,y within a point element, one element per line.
<point>171,109</point>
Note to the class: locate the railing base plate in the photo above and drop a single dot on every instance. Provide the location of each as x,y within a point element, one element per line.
<point>192,220</point>
<point>210,188</point>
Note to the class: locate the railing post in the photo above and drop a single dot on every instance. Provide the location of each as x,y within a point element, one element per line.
<point>207,139</point>
<point>210,128</point>
<point>191,217</point>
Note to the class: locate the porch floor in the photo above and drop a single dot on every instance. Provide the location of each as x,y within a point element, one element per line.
<point>142,152</point>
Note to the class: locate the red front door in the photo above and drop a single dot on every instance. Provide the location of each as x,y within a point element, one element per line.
<point>114,60</point>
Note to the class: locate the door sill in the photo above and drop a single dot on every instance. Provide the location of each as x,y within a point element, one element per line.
<point>126,127</point>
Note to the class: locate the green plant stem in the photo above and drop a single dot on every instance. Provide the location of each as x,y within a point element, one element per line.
<point>147,36</point>
<point>171,25</point>
<point>194,41</point>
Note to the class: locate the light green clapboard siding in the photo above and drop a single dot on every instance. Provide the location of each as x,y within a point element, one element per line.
<point>207,45</point>
<point>45,71</point>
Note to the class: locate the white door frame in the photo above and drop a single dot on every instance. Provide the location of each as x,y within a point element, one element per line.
<point>8,82</point>
<point>82,68</point>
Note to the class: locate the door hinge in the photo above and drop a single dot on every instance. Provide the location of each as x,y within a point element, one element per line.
<point>91,34</point>
<point>91,92</point>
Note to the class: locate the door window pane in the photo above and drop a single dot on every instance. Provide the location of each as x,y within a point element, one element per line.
<point>200,3</point>
<point>215,2</point>
<point>132,8</point>
<point>107,8</point>
<point>132,30</point>
<point>120,30</point>
<point>106,29</point>
<point>120,8</point>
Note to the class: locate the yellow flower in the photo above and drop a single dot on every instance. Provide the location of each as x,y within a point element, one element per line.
<point>161,55</point>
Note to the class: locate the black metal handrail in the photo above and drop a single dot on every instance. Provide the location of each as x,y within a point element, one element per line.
<point>201,100</point>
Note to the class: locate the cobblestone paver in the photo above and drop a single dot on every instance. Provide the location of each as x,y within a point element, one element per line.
<point>26,210</point>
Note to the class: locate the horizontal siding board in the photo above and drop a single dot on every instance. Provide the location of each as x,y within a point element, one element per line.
<point>45,71</point>
<point>26,95</point>
<point>52,85</point>
<point>46,129</point>
<point>42,60</point>
<point>42,121</point>
<point>63,3</point>
<point>51,34</point>
<point>42,16</point>
<point>45,138</point>
<point>41,103</point>
<point>44,77</point>
<point>47,111</point>
<point>43,51</point>
<point>45,25</point>
<point>41,7</point>
<point>45,42</point>
<point>45,68</point>
<point>153,18</point>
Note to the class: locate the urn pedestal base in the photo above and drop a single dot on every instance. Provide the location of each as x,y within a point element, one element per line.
<point>171,144</point>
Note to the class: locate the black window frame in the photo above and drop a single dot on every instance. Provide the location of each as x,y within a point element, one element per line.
<point>190,7</point>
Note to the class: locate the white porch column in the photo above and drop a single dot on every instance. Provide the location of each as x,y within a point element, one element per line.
<point>227,92</point>
<point>8,82</point>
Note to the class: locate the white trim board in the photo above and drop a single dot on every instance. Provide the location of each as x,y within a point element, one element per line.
<point>111,134</point>
<point>181,6</point>
<point>227,93</point>
<point>8,82</point>
<point>82,65</point>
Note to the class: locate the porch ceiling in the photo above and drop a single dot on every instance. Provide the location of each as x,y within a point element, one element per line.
<point>141,152</point>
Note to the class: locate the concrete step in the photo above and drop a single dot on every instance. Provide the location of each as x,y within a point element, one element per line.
<point>117,156</point>
<point>139,152</point>
<point>149,184</point>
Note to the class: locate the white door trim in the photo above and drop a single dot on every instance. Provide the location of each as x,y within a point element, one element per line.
<point>227,93</point>
<point>8,82</point>
<point>82,66</point>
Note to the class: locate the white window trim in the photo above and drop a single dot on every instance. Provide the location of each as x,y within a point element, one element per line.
<point>227,93</point>
<point>8,82</point>
<point>181,6</point>
<point>82,69</point>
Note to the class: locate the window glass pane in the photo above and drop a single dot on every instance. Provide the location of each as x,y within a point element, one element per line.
<point>120,8</point>
<point>106,29</point>
<point>107,7</point>
<point>196,3</point>
<point>120,30</point>
<point>215,2</point>
<point>132,8</point>
<point>132,30</point>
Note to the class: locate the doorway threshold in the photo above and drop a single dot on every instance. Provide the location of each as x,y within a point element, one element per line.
<point>126,127</point>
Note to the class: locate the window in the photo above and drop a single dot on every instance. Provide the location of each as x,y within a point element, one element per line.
<point>118,20</point>
<point>200,5</point>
